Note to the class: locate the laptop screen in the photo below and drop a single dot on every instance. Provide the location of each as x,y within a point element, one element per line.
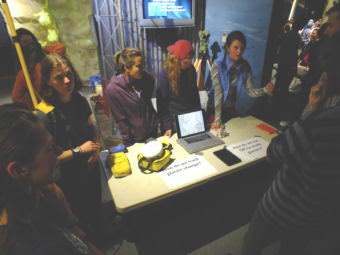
<point>190,123</point>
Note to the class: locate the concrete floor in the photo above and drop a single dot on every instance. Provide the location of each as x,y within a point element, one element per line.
<point>211,219</point>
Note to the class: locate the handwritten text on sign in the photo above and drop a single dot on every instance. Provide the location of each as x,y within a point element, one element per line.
<point>186,170</point>
<point>251,149</point>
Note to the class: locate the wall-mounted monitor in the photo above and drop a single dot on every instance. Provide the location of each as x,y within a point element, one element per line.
<point>167,13</point>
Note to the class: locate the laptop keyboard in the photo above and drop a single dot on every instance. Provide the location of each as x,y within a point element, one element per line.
<point>196,139</point>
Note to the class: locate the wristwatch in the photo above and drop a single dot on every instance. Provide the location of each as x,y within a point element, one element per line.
<point>75,152</point>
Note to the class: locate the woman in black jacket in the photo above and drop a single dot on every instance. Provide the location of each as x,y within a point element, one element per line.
<point>177,85</point>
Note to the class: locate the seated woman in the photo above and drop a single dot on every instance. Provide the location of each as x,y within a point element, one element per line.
<point>33,54</point>
<point>71,124</point>
<point>34,215</point>
<point>232,78</point>
<point>176,89</point>
<point>129,97</point>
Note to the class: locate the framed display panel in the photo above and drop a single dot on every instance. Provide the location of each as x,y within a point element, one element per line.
<point>166,13</point>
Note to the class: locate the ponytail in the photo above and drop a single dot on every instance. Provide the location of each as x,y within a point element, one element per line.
<point>125,59</point>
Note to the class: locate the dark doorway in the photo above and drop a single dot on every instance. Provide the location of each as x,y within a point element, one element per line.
<point>7,53</point>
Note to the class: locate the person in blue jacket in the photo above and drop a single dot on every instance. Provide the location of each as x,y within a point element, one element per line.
<point>232,79</point>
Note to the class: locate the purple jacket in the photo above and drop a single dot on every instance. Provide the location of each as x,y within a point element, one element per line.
<point>131,107</point>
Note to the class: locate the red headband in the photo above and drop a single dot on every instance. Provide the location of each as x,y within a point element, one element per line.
<point>180,49</point>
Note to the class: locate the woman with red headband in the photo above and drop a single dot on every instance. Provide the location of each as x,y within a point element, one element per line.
<point>176,89</point>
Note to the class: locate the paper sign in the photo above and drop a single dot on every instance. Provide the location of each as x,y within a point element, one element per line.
<point>186,170</point>
<point>251,149</point>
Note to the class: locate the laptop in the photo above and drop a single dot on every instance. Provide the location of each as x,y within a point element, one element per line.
<point>192,132</point>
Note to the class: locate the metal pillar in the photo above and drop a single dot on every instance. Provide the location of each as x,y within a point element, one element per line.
<point>292,10</point>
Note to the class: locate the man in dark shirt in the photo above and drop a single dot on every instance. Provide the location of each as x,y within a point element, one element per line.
<point>287,67</point>
<point>302,202</point>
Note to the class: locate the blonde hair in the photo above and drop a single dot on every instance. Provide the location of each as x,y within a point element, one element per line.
<point>125,58</point>
<point>172,66</point>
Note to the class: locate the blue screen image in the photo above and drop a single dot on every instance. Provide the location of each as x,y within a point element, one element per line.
<point>167,9</point>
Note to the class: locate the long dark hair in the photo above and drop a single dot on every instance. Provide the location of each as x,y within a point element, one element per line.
<point>48,64</point>
<point>233,36</point>
<point>20,140</point>
<point>31,59</point>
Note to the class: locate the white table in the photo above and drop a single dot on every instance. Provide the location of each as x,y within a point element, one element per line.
<point>139,189</point>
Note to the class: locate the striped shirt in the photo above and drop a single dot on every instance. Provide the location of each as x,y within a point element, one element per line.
<point>305,193</point>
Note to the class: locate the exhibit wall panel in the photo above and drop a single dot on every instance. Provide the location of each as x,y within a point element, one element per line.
<point>252,17</point>
<point>117,25</point>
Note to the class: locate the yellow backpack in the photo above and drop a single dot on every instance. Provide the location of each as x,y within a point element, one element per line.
<point>155,164</point>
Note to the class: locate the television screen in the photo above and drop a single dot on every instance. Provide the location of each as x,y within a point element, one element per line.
<point>167,13</point>
<point>167,9</point>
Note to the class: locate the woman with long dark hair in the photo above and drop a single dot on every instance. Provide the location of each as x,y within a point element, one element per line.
<point>177,85</point>
<point>34,215</point>
<point>71,124</point>
<point>33,54</point>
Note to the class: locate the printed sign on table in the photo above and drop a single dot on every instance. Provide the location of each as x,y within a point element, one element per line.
<point>186,170</point>
<point>251,149</point>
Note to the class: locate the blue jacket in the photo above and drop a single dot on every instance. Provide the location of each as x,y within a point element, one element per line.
<point>222,65</point>
<point>243,68</point>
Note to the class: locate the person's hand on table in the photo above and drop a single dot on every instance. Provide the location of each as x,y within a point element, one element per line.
<point>168,133</point>
<point>219,130</point>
